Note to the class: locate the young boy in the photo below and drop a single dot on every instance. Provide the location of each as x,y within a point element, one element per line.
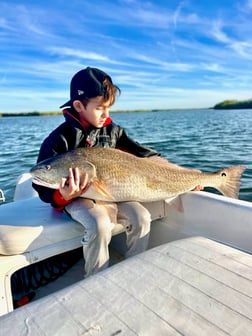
<point>87,124</point>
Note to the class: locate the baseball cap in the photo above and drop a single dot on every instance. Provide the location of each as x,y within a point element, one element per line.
<point>87,83</point>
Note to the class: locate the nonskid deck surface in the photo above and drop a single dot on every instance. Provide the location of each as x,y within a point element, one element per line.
<point>187,287</point>
<point>73,275</point>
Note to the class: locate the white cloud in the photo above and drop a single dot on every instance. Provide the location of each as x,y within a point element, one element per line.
<point>218,32</point>
<point>78,53</point>
<point>151,49</point>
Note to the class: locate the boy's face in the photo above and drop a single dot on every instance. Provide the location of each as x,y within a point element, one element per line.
<point>95,113</point>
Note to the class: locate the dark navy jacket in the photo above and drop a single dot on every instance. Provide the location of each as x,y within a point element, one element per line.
<point>70,135</point>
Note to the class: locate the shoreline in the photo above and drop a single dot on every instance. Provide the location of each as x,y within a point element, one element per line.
<point>36,113</point>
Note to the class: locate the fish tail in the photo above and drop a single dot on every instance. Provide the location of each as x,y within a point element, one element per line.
<point>231,177</point>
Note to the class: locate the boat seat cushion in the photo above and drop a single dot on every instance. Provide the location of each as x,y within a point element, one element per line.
<point>29,224</point>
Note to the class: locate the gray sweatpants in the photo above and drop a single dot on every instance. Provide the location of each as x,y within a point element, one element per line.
<point>99,219</point>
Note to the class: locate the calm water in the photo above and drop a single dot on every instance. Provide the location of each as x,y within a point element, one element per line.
<point>203,139</point>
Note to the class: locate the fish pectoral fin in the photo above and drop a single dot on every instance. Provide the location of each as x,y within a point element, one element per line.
<point>101,190</point>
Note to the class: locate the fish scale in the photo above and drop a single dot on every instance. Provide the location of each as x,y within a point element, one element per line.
<point>118,176</point>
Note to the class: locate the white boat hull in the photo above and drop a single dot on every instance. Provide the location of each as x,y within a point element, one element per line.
<point>216,217</point>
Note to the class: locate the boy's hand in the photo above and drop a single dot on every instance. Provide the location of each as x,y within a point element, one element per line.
<point>74,185</point>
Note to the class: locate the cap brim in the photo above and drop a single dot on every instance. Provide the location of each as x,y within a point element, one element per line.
<point>69,103</point>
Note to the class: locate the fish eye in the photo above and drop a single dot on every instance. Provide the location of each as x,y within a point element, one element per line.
<point>47,167</point>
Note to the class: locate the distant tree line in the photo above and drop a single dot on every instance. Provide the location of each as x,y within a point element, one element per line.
<point>234,104</point>
<point>28,114</point>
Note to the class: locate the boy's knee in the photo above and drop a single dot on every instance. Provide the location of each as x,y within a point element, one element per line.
<point>141,214</point>
<point>138,218</point>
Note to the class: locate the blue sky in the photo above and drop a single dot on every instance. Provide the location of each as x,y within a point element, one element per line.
<point>162,54</point>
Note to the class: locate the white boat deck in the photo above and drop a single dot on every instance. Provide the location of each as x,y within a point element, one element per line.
<point>190,287</point>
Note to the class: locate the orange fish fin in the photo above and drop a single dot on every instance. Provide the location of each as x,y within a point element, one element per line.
<point>102,190</point>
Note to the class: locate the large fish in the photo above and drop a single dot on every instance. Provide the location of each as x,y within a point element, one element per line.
<point>118,176</point>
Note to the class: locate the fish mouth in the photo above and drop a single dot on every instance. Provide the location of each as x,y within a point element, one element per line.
<point>40,181</point>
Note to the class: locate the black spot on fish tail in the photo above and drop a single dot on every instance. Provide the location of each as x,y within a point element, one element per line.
<point>230,185</point>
